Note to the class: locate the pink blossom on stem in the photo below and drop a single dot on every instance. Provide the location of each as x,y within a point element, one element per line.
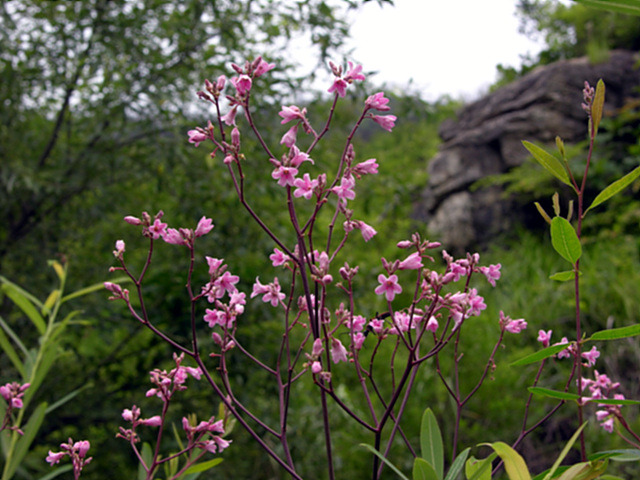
<point>77,451</point>
<point>476,303</point>
<point>285,175</point>
<point>243,84</point>
<point>230,117</point>
<point>367,231</point>
<point>387,122</point>
<point>345,190</point>
<point>492,272</point>
<point>297,157</point>
<point>388,286</point>
<point>377,101</point>
<point>157,229</point>
<point>196,137</point>
<point>289,138</point>
<point>13,393</point>
<point>368,167</point>
<point>591,356</point>
<point>338,351</point>
<point>304,186</point>
<point>432,324</point>
<point>119,251</point>
<point>205,225</point>
<point>412,262</point>
<point>291,113</point>
<point>270,293</point>
<point>278,257</point>
<point>339,86</point>
<point>354,73</point>
<point>544,337</point>
<point>260,66</point>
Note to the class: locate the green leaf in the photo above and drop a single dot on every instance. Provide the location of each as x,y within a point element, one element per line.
<point>550,163</point>
<point>584,471</point>
<point>476,469</point>
<point>564,452</point>
<point>24,442</point>
<point>614,188</point>
<point>204,466</point>
<point>514,464</point>
<point>67,397</point>
<point>616,333</point>
<point>422,470</point>
<point>457,465</point>
<point>546,392</point>
<point>540,355</point>
<point>92,288</point>
<point>50,302</point>
<point>597,106</point>
<point>10,351</point>
<point>622,455</point>
<point>381,457</point>
<point>431,442</point>
<point>57,472</point>
<point>147,459</point>
<point>565,240</point>
<point>627,7</point>
<point>15,293</point>
<point>563,276</point>
<point>611,401</point>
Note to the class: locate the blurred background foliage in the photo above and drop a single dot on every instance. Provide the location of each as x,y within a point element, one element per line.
<point>96,98</point>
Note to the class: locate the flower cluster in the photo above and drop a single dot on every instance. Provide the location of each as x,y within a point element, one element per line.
<point>78,453</point>
<point>12,394</point>
<point>601,388</point>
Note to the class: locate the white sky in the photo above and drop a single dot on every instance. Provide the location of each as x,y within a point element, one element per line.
<point>443,46</point>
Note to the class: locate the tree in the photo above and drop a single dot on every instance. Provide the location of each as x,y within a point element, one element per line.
<point>94,92</point>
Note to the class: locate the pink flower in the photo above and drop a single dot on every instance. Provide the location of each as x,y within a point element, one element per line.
<point>270,293</point>
<point>205,225</point>
<point>214,265</point>
<point>591,356</point>
<point>175,237</point>
<point>544,337</point>
<point>567,352</point>
<point>367,231</point>
<point>262,67</point>
<point>278,257</point>
<point>476,303</point>
<point>154,421</point>
<point>492,272</point>
<point>387,122</point>
<point>339,86</point>
<point>412,262</point>
<point>242,83</point>
<point>345,189</point>
<point>377,101</point>
<point>338,351</point>
<point>297,157</point>
<point>291,113</point>
<point>54,458</point>
<point>388,286</point>
<point>317,348</point>
<point>196,137</point>
<point>119,251</point>
<point>289,138</point>
<point>354,73</point>
<point>230,117</point>
<point>432,324</point>
<point>364,168</point>
<point>158,229</point>
<point>511,326</point>
<point>285,175</point>
<point>304,186</point>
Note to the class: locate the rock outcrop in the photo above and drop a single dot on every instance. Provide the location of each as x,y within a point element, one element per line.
<point>486,139</point>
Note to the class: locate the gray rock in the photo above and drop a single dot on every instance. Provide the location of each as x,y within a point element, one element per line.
<point>486,139</point>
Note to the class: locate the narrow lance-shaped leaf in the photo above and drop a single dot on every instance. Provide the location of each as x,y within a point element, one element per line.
<point>565,240</point>
<point>385,460</point>
<point>616,333</point>
<point>476,469</point>
<point>457,465</point>
<point>431,442</point>
<point>547,392</point>
<point>15,294</point>
<point>614,188</point>
<point>550,163</point>
<point>540,355</point>
<point>204,466</point>
<point>564,452</point>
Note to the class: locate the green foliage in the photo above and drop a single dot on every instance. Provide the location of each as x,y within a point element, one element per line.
<point>33,364</point>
